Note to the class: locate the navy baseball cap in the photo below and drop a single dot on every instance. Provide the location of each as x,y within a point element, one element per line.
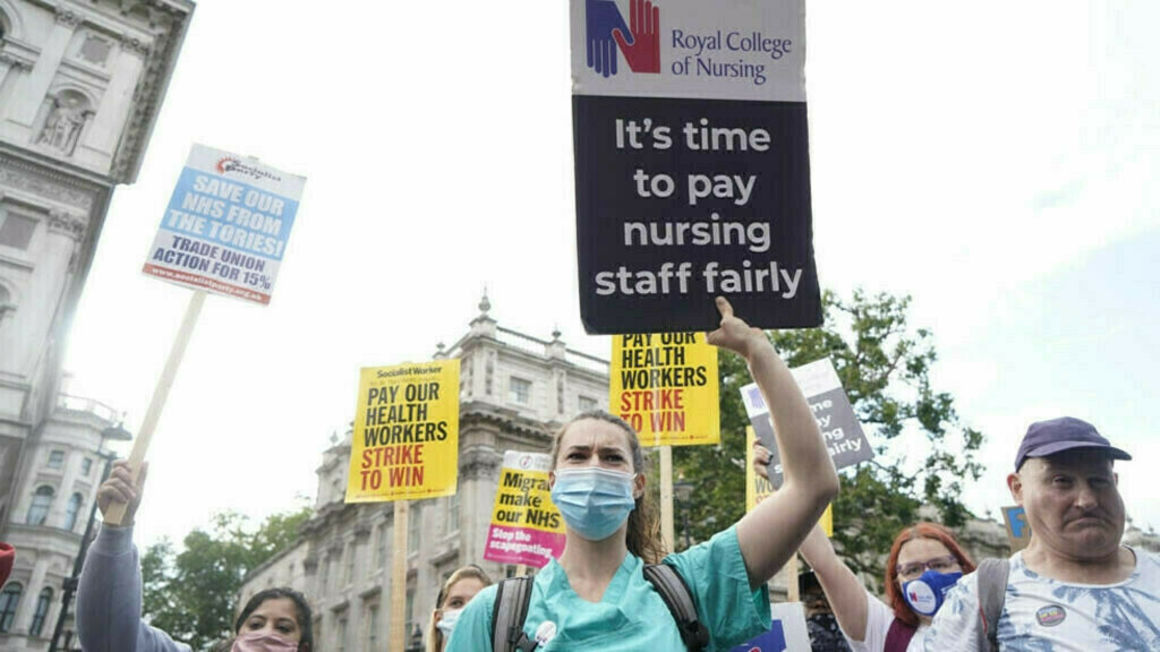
<point>1045,438</point>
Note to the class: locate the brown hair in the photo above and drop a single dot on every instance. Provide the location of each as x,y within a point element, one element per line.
<point>922,530</point>
<point>644,527</point>
<point>434,636</point>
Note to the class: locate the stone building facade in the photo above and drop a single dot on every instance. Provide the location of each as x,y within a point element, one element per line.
<point>81,83</point>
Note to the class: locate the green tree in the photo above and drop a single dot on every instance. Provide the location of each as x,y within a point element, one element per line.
<point>193,594</point>
<point>885,367</point>
<point>156,575</point>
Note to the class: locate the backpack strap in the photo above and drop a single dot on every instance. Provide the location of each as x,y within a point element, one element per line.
<point>993,575</point>
<point>679,599</point>
<point>898,636</point>
<point>508,614</point>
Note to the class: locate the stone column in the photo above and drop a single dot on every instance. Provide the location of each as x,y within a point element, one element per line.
<point>29,96</point>
<point>66,230</point>
<point>354,588</point>
<point>113,110</point>
<point>478,478</point>
<point>27,607</point>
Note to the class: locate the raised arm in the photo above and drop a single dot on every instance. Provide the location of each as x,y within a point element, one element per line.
<point>846,595</point>
<point>770,533</point>
<point>109,595</point>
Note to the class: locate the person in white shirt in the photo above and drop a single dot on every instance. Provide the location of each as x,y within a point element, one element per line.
<point>1074,587</point>
<point>925,561</point>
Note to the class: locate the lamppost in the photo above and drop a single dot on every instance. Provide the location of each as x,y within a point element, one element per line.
<point>70,584</point>
<point>682,493</point>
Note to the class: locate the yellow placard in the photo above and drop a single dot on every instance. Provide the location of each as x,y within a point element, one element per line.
<point>665,386</point>
<point>526,528</point>
<point>758,488</point>
<point>406,433</point>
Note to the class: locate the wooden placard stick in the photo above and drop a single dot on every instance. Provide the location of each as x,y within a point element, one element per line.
<point>116,511</point>
<point>667,496</point>
<point>399,578</point>
<point>792,594</point>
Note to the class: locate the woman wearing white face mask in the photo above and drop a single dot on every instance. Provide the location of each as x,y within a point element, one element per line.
<point>460,587</point>
<point>595,597</point>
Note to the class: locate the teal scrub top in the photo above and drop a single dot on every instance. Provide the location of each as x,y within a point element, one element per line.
<point>631,615</point>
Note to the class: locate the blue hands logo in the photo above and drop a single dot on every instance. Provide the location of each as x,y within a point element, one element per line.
<point>602,16</point>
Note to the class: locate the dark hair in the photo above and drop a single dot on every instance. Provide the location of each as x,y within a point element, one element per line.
<point>302,609</point>
<point>923,530</point>
<point>644,528</point>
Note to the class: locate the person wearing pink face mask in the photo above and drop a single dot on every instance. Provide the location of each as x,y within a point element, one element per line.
<point>274,620</point>
<point>109,597</point>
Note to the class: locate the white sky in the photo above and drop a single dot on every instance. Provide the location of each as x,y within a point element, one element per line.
<point>995,160</point>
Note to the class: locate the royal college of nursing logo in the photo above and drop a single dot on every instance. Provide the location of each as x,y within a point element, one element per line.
<point>921,597</point>
<point>606,33</point>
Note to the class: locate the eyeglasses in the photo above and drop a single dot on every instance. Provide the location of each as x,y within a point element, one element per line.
<point>916,568</point>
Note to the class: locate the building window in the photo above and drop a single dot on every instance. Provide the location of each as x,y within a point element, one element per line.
<point>520,391</point>
<point>453,513</point>
<point>409,606</point>
<point>86,466</point>
<point>16,230</point>
<point>41,501</point>
<point>373,627</point>
<point>324,571</point>
<point>351,550</point>
<point>383,545</point>
<point>587,404</point>
<point>56,459</point>
<point>340,634</point>
<point>9,600</point>
<point>74,507</point>
<point>41,613</point>
<point>413,529</point>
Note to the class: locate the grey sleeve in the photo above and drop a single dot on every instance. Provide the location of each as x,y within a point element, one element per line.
<point>109,599</point>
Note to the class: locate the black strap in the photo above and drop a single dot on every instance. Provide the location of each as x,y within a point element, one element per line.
<point>992,577</point>
<point>679,599</point>
<point>512,597</point>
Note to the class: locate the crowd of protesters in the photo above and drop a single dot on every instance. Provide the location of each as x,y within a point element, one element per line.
<point>1075,586</point>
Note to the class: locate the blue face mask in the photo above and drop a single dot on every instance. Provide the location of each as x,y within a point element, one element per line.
<point>925,593</point>
<point>595,502</point>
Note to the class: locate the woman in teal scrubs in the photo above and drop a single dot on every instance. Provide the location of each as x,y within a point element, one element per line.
<point>595,597</point>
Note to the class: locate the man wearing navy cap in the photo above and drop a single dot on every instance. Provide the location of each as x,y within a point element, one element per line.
<point>1074,587</point>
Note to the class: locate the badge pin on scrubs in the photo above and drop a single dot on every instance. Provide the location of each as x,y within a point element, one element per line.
<point>545,632</point>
